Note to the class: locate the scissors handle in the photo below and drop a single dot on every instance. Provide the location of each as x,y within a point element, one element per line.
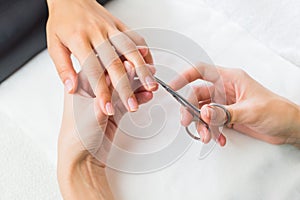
<point>191,134</point>
<point>199,119</point>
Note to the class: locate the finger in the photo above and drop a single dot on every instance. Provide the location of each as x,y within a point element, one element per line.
<point>83,51</point>
<point>214,133</point>
<point>127,47</point>
<point>198,94</point>
<point>202,131</point>
<point>139,41</point>
<point>222,140</point>
<point>152,69</point>
<point>217,116</point>
<point>117,74</point>
<point>136,83</point>
<point>63,63</point>
<point>207,135</point>
<point>185,117</point>
<point>130,70</point>
<point>213,115</point>
<point>144,97</point>
<point>143,50</point>
<point>202,71</point>
<point>95,73</point>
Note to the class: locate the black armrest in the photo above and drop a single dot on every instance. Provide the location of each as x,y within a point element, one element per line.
<point>22,32</point>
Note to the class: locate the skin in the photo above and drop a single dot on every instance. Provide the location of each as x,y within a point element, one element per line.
<point>96,38</point>
<point>82,176</point>
<point>255,110</point>
<point>81,173</point>
<point>85,29</point>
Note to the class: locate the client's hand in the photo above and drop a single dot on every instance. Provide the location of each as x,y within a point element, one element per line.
<point>96,38</point>
<point>255,110</point>
<point>84,141</point>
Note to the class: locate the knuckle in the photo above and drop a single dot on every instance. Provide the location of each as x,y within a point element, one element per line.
<point>104,94</point>
<point>78,37</point>
<point>126,89</point>
<point>115,66</point>
<point>62,71</point>
<point>94,71</point>
<point>111,28</point>
<point>98,27</point>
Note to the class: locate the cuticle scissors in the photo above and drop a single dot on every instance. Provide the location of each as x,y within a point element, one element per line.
<point>192,109</point>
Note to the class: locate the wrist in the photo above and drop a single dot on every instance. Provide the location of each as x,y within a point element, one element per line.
<point>54,4</point>
<point>294,129</point>
<point>85,179</point>
<point>297,125</point>
<point>80,175</point>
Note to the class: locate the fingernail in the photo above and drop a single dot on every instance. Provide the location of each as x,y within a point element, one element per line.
<point>127,66</point>
<point>150,82</point>
<point>206,136</point>
<point>129,69</point>
<point>144,51</point>
<point>133,106</point>
<point>212,113</point>
<point>109,108</point>
<point>68,85</point>
<point>181,116</point>
<point>202,135</point>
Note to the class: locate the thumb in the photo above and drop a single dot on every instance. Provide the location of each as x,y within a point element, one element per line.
<point>63,63</point>
<point>220,115</point>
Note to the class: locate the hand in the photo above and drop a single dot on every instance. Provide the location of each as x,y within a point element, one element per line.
<point>84,141</point>
<point>255,110</point>
<point>96,38</point>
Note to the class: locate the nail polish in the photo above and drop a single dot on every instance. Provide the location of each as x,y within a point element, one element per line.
<point>68,85</point>
<point>133,106</point>
<point>109,108</point>
<point>150,82</point>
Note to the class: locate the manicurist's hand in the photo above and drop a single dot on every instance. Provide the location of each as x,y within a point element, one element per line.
<point>96,38</point>
<point>85,139</point>
<point>255,110</point>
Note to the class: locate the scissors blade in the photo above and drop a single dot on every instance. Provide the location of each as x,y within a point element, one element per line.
<point>191,108</point>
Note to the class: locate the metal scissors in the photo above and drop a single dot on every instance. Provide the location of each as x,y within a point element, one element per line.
<point>193,110</point>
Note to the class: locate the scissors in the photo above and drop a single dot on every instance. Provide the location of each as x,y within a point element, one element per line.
<point>193,110</point>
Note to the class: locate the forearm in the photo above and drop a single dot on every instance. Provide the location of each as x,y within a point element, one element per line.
<point>84,180</point>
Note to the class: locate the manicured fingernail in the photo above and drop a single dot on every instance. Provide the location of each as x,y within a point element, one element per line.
<point>129,69</point>
<point>181,116</point>
<point>127,66</point>
<point>68,85</point>
<point>109,108</point>
<point>133,106</point>
<point>150,82</point>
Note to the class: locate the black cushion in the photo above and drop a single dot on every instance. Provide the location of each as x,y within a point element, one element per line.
<point>22,32</point>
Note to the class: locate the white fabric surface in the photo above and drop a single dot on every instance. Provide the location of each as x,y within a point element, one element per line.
<point>244,169</point>
<point>273,22</point>
<point>25,172</point>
